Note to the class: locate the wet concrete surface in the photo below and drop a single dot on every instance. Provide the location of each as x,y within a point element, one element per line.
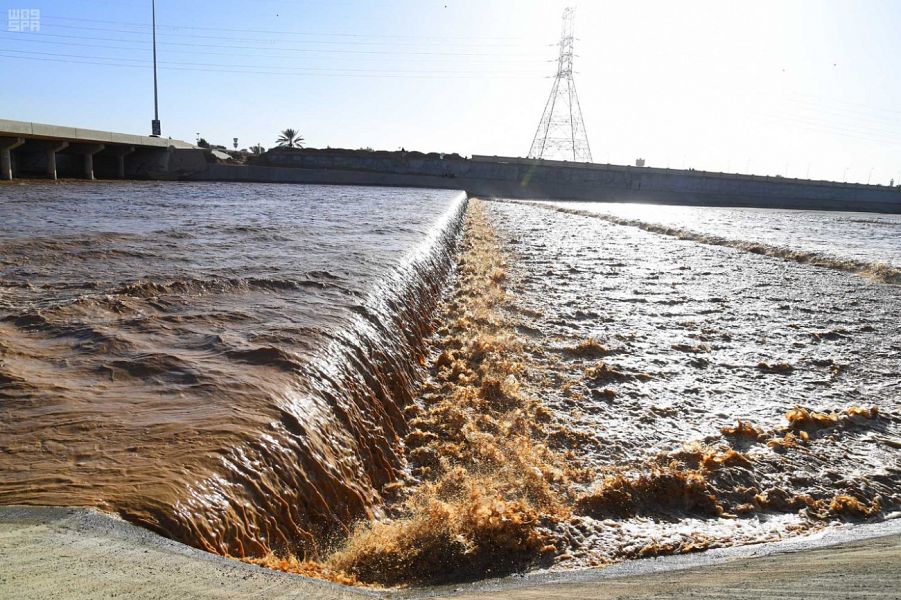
<point>59,553</point>
<point>866,569</point>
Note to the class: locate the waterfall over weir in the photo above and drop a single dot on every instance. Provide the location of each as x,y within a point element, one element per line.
<point>231,376</point>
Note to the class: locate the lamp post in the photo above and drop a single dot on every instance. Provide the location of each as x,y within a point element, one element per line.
<point>155,130</point>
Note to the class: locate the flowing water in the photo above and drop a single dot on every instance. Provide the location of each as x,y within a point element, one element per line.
<point>221,363</point>
<point>866,237</point>
<point>652,346</point>
<point>253,368</point>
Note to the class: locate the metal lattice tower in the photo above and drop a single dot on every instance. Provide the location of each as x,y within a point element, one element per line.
<point>561,131</point>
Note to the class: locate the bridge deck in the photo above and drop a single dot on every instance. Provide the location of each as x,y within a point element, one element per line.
<point>43,131</point>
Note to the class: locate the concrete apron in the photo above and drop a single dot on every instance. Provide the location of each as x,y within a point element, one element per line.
<point>48,552</point>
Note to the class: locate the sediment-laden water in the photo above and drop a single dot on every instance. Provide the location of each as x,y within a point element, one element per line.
<point>862,243</point>
<point>866,237</point>
<point>601,392</point>
<point>718,395</point>
<point>221,363</point>
<point>398,387</point>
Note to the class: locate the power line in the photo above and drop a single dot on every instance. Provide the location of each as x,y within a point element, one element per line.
<point>848,124</point>
<point>273,32</point>
<point>246,69</point>
<point>829,105</point>
<point>253,66</point>
<point>251,39</point>
<point>848,105</point>
<point>831,122</point>
<point>141,46</point>
<point>301,50</point>
<point>834,130</point>
<point>854,116</point>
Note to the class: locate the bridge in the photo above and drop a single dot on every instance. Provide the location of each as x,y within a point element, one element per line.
<point>55,151</point>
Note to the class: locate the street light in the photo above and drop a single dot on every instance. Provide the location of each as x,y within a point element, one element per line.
<point>155,130</point>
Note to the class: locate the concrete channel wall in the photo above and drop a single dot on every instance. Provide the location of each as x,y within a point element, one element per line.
<point>531,179</point>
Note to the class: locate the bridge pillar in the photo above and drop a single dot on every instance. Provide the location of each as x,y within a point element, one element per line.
<point>89,151</point>
<point>51,157</point>
<point>120,152</point>
<point>7,145</point>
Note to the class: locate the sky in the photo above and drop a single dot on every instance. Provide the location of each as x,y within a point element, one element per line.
<point>789,87</point>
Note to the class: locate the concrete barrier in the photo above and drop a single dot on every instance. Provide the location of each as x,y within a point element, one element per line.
<point>602,183</point>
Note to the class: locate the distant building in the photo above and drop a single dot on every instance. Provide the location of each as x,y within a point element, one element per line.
<point>639,162</point>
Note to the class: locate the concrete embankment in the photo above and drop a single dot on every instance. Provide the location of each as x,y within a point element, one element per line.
<point>76,553</point>
<point>533,179</point>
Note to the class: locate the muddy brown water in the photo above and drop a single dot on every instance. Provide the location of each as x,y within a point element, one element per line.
<point>220,363</point>
<point>227,364</point>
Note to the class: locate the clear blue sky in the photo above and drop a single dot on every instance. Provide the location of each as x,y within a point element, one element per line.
<point>785,87</point>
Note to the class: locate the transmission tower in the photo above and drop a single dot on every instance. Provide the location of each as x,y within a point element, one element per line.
<point>561,131</point>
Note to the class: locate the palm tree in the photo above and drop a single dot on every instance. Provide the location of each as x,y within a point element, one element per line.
<point>290,138</point>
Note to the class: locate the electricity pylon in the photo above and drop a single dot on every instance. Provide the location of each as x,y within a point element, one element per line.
<point>561,131</point>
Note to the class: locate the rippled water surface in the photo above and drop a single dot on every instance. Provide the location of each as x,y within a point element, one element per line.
<point>868,237</point>
<point>696,337</point>
<point>220,362</point>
